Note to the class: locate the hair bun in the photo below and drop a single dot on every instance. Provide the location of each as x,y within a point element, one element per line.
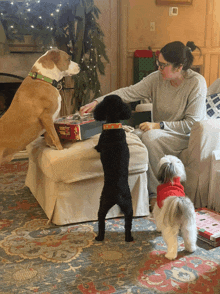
<point>191,45</point>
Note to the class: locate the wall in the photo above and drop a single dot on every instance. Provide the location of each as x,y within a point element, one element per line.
<point>108,21</point>
<point>167,28</point>
<point>199,22</point>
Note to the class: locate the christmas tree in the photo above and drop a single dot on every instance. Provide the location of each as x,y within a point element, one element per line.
<point>69,25</point>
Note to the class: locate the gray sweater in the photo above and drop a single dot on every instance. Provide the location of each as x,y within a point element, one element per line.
<point>178,107</point>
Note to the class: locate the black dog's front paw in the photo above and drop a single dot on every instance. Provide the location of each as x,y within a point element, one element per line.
<point>99,238</point>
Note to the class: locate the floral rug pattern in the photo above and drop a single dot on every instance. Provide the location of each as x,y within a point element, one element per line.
<point>37,257</point>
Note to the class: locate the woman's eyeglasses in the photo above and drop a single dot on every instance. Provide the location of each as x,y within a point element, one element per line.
<point>161,64</point>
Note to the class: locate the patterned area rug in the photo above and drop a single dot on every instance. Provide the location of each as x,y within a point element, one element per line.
<point>39,258</point>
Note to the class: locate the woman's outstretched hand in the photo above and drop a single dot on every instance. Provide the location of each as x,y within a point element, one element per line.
<point>88,107</point>
<point>147,126</point>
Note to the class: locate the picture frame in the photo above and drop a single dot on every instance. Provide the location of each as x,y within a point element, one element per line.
<point>174,2</point>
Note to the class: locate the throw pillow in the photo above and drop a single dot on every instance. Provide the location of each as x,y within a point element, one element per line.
<point>213,105</point>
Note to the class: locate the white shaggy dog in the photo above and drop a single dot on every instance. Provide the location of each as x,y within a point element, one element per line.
<point>173,212</point>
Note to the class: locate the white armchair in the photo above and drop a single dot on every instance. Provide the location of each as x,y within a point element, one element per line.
<point>214,183</point>
<point>198,158</point>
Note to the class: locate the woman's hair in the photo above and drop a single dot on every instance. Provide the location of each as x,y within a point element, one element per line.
<point>178,54</point>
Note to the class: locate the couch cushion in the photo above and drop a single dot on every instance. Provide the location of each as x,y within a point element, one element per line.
<point>213,105</point>
<point>79,161</point>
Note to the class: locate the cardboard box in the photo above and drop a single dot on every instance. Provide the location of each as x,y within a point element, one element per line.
<point>76,128</point>
<point>208,225</point>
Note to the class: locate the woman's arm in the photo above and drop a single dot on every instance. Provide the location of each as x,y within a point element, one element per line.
<point>139,91</point>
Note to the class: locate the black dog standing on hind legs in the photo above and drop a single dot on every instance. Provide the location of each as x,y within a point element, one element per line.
<point>115,160</point>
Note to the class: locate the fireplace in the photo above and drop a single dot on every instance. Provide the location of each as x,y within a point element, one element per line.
<point>7,92</point>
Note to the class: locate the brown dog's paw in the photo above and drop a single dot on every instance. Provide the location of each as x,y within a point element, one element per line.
<point>60,147</point>
<point>48,140</point>
<point>50,143</point>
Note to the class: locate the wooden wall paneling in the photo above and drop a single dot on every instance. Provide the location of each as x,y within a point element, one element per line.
<point>216,24</point>
<point>188,25</point>
<point>130,59</point>
<point>108,21</point>
<point>114,44</point>
<point>198,58</point>
<point>207,68</point>
<point>172,2</point>
<point>203,66</point>
<point>214,64</point>
<point>123,25</point>
<point>218,66</point>
<point>209,23</point>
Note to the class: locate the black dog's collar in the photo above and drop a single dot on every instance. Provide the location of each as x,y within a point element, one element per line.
<point>36,76</point>
<point>112,126</point>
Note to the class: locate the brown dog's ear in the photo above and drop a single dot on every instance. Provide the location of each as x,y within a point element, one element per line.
<point>50,58</point>
<point>54,55</point>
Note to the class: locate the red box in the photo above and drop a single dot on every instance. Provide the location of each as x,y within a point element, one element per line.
<point>208,225</point>
<point>76,128</point>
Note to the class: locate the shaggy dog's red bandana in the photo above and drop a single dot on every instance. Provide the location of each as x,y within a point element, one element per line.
<point>169,189</point>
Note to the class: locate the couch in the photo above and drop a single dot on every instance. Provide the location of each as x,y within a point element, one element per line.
<point>198,157</point>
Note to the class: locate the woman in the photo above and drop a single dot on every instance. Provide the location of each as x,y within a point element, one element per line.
<point>178,95</point>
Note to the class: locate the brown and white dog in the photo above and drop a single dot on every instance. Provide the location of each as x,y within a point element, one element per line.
<point>35,105</point>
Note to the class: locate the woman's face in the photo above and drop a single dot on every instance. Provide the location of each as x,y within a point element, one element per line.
<point>167,70</point>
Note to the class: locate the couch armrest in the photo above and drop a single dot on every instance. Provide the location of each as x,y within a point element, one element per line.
<point>144,107</point>
<point>214,192</point>
<point>204,138</point>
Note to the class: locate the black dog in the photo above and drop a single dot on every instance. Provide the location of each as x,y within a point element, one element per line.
<point>115,160</point>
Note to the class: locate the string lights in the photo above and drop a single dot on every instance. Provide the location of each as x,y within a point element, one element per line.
<point>57,24</point>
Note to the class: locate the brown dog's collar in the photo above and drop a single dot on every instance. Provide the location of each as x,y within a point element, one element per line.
<point>112,126</point>
<point>36,76</point>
